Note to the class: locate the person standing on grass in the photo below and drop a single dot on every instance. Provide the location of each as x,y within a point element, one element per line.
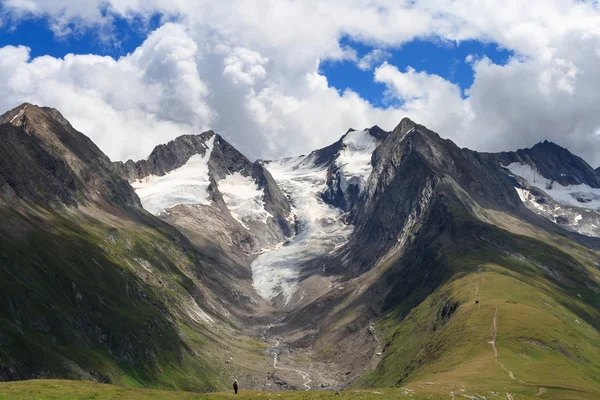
<point>235,386</point>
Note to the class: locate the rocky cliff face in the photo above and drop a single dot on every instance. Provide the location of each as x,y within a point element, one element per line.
<point>411,166</point>
<point>555,184</point>
<point>553,162</point>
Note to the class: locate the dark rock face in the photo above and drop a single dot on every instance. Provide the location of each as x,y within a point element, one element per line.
<point>553,162</point>
<point>43,159</point>
<point>276,202</point>
<point>165,157</point>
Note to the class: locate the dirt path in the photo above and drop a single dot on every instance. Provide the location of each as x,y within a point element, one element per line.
<point>492,341</point>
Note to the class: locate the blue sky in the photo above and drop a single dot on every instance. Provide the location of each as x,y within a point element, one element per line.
<point>121,37</point>
<point>445,59</point>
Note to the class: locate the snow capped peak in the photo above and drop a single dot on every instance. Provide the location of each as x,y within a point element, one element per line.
<point>354,160</point>
<point>573,206</point>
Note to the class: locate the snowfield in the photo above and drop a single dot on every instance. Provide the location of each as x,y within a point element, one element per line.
<point>582,196</point>
<point>187,184</point>
<point>354,161</point>
<point>243,199</point>
<point>320,228</point>
<point>573,207</point>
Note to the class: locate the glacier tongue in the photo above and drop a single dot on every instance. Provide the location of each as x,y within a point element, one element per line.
<point>320,228</point>
<point>243,198</point>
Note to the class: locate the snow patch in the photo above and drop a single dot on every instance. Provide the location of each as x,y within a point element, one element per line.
<point>196,313</point>
<point>582,196</point>
<point>18,115</point>
<point>354,161</point>
<point>187,184</point>
<point>526,197</point>
<point>321,229</point>
<point>243,198</point>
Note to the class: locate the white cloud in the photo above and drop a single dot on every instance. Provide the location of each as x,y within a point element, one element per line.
<point>427,97</point>
<point>245,66</point>
<point>249,69</point>
<point>376,56</point>
<point>126,106</point>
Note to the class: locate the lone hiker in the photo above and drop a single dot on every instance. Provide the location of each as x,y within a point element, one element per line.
<point>235,386</point>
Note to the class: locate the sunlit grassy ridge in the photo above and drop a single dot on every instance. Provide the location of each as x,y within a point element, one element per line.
<point>538,304</point>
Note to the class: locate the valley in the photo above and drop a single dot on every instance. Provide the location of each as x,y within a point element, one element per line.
<point>387,264</point>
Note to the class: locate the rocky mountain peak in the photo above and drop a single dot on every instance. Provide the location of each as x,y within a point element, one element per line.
<point>555,163</point>
<point>203,177</point>
<point>45,160</point>
<point>405,125</point>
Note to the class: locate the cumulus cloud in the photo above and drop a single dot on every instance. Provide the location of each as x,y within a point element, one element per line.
<point>427,97</point>
<point>126,106</point>
<point>249,69</point>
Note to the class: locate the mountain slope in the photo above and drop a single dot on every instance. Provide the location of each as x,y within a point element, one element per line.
<point>44,160</point>
<point>92,286</point>
<point>556,184</point>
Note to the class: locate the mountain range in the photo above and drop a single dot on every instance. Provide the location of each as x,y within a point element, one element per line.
<point>386,259</point>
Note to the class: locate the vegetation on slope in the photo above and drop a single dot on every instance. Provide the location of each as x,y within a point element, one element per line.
<point>491,312</point>
<point>92,298</point>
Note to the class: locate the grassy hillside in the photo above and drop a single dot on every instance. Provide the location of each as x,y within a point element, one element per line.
<point>477,310</point>
<point>90,296</point>
<point>81,390</point>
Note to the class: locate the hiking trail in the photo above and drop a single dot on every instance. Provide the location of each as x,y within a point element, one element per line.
<point>493,335</point>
